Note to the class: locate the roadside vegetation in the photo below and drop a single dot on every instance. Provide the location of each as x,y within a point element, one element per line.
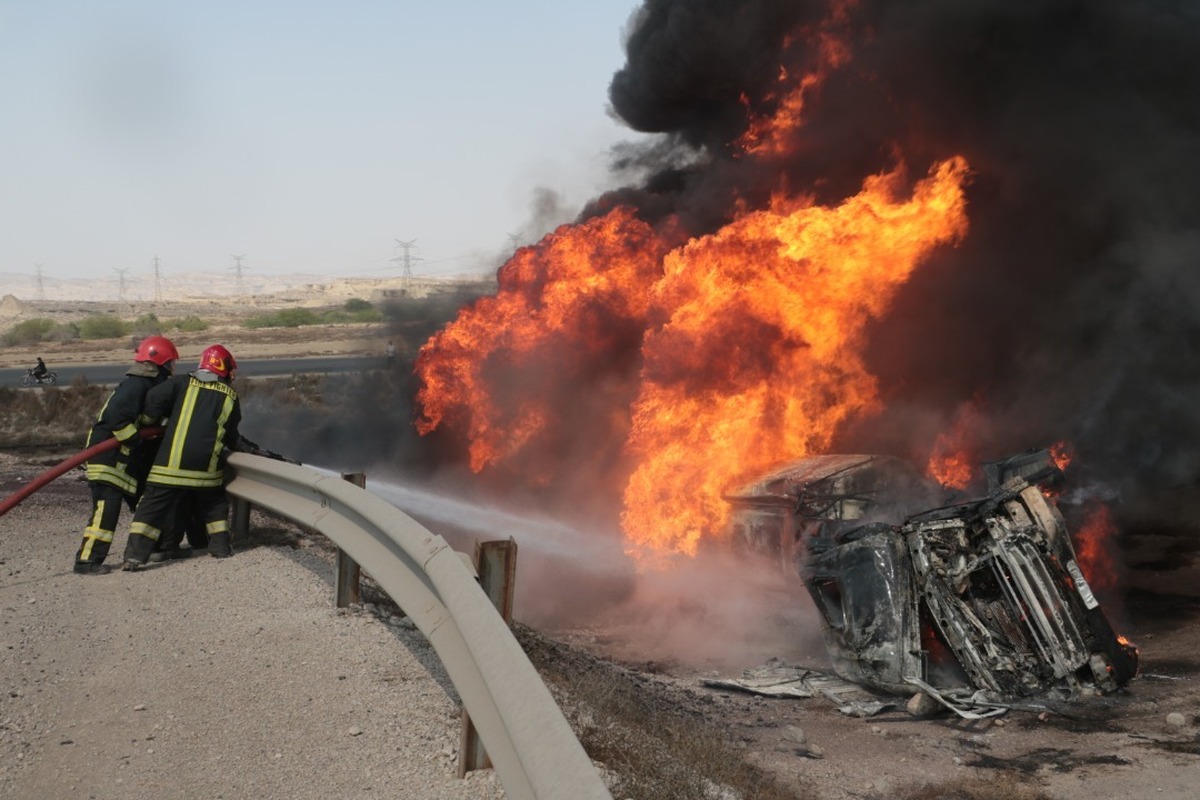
<point>414,319</point>
<point>95,327</point>
<point>353,310</point>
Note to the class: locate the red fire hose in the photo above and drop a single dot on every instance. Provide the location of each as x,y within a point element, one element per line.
<point>13,501</point>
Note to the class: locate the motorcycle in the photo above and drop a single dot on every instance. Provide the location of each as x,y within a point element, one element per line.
<point>48,378</point>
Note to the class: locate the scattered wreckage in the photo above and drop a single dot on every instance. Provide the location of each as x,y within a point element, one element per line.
<point>981,604</point>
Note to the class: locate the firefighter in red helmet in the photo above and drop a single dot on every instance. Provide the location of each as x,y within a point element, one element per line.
<point>203,414</point>
<point>118,475</point>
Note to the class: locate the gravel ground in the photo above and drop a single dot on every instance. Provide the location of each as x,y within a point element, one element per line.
<point>206,678</point>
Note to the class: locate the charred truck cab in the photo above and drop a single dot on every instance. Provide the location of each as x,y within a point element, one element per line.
<point>977,596</point>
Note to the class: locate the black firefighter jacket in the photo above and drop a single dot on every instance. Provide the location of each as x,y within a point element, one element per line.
<point>202,427</point>
<point>125,466</point>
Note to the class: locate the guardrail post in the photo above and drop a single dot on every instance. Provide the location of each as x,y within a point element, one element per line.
<point>496,565</point>
<point>346,582</point>
<point>241,518</point>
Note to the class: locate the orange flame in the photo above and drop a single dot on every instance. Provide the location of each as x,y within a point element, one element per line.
<point>1062,453</point>
<point>953,460</point>
<point>760,358</point>
<point>774,134</point>
<point>562,308</point>
<point>749,342</point>
<point>1095,548</point>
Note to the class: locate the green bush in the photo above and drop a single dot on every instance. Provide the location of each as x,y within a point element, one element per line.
<point>65,332</point>
<point>30,331</point>
<point>189,324</point>
<point>366,315</point>
<point>287,318</point>
<point>337,315</point>
<point>103,326</point>
<point>356,304</point>
<point>146,325</point>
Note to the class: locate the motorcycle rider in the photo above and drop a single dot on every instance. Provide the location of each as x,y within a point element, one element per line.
<point>119,474</point>
<point>203,414</point>
<point>40,370</point>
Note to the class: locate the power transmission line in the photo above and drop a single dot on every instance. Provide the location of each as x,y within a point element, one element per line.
<point>406,260</point>
<point>41,288</point>
<point>157,282</point>
<point>120,282</point>
<point>237,271</point>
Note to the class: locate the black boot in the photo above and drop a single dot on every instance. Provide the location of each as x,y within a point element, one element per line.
<point>219,545</point>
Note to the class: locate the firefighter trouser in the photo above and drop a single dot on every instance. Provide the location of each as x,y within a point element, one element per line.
<point>186,521</point>
<point>106,513</point>
<point>156,520</point>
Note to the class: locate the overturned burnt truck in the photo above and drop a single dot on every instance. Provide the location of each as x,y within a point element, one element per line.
<point>979,599</point>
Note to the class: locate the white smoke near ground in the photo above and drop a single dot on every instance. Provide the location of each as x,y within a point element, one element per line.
<point>716,611</point>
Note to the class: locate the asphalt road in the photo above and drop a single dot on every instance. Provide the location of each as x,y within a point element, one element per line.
<point>259,368</point>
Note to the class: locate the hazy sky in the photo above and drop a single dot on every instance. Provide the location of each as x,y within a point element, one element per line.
<point>304,136</point>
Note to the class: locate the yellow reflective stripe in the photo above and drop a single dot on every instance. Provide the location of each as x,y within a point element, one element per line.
<point>99,417</point>
<point>166,476</point>
<point>219,526</point>
<point>142,529</point>
<point>94,533</point>
<point>182,423</point>
<point>117,477</point>
<point>97,534</point>
<point>145,420</point>
<point>97,516</point>
<point>124,433</point>
<point>226,410</point>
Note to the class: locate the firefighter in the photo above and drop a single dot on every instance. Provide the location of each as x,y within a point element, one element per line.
<point>202,429</point>
<point>118,475</point>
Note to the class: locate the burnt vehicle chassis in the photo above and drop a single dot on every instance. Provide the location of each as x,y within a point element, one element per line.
<point>980,597</point>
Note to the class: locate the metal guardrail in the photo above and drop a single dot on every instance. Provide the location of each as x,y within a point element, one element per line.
<point>531,746</point>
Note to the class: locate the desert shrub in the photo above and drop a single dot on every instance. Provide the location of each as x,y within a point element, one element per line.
<point>356,305</point>
<point>297,317</point>
<point>285,318</point>
<point>64,332</point>
<point>341,315</point>
<point>146,325</point>
<point>366,315</point>
<point>30,331</point>
<point>103,326</point>
<point>190,324</point>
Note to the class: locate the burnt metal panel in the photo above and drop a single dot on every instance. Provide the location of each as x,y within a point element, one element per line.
<point>915,591</point>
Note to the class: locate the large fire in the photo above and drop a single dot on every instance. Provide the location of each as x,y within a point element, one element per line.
<point>759,357</point>
<point>667,368</point>
<point>748,340</point>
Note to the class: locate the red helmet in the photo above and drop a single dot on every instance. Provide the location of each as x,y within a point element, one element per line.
<point>158,349</point>
<point>218,360</point>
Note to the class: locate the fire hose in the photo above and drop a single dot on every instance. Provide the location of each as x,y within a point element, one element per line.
<point>14,500</point>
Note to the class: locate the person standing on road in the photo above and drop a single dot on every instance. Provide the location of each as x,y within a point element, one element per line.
<point>203,414</point>
<point>391,354</point>
<point>118,475</point>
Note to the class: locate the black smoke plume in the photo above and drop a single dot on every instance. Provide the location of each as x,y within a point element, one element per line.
<point>1071,309</point>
